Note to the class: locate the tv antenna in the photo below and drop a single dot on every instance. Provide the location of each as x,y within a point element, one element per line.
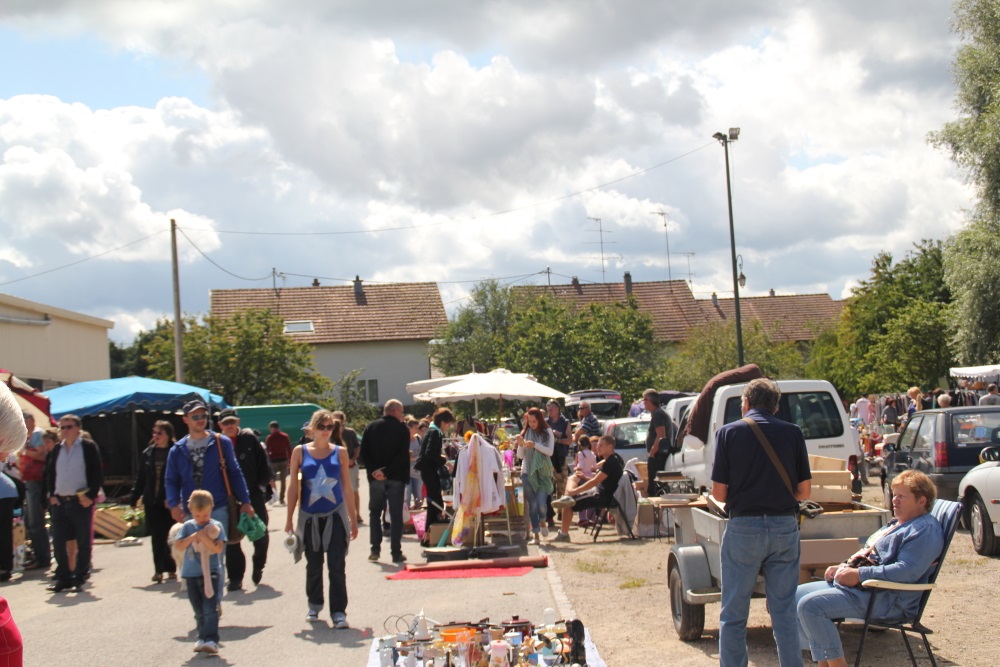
<point>666,230</point>
<point>689,255</point>
<point>600,231</point>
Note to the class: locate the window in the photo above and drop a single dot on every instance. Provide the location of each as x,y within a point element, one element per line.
<point>815,412</point>
<point>368,390</point>
<point>922,455</point>
<point>976,429</point>
<point>298,326</point>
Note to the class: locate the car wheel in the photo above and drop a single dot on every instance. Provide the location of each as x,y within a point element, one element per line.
<point>984,540</point>
<point>689,619</point>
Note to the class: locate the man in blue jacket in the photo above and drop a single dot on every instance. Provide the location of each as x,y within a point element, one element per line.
<point>194,463</point>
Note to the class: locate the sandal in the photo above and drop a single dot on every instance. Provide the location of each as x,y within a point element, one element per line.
<point>158,578</point>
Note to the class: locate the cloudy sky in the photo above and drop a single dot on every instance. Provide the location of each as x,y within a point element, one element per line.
<point>451,141</point>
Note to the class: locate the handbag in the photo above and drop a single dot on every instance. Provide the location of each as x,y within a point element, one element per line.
<point>807,508</point>
<point>235,534</point>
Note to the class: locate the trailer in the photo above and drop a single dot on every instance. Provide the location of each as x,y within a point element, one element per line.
<point>694,563</point>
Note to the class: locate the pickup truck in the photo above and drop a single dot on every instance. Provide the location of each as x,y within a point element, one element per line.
<point>812,404</point>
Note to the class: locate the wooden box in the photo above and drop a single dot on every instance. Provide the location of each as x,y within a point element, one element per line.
<point>109,524</point>
<point>826,463</point>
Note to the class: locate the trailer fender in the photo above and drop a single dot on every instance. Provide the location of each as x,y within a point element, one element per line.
<point>692,562</point>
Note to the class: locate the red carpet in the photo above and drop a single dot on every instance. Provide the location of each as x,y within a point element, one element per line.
<point>460,574</point>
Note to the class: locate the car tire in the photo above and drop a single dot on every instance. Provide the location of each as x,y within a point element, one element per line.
<point>984,539</point>
<point>689,619</point>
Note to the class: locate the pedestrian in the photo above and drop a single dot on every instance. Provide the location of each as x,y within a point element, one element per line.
<point>203,539</point>
<point>431,461</point>
<point>414,489</point>
<point>761,490</point>
<point>385,447</point>
<point>561,432</point>
<point>350,438</point>
<point>150,487</point>
<point>535,445</point>
<point>32,465</point>
<point>657,440</point>
<point>326,522</point>
<point>13,434</point>
<point>72,481</point>
<point>279,449</point>
<point>253,461</point>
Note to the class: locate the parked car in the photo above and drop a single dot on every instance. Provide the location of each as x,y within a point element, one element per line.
<point>979,493</point>
<point>945,443</point>
<point>630,436</point>
<point>604,403</point>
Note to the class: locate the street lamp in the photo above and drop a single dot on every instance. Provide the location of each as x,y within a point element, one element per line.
<point>725,140</point>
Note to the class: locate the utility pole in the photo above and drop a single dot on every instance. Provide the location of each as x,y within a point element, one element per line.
<point>666,229</point>
<point>725,140</point>
<point>178,325</point>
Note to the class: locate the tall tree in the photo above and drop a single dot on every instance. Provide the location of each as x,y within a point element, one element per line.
<point>480,330</point>
<point>971,268</point>
<point>246,358</point>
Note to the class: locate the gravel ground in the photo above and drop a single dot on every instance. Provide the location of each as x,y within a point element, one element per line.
<point>619,589</point>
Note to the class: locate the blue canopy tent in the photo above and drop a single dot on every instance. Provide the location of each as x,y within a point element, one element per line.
<point>120,413</point>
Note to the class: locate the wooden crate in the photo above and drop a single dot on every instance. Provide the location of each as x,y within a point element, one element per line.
<point>108,523</point>
<point>826,463</point>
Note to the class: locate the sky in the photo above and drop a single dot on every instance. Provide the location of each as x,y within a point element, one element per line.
<point>455,141</point>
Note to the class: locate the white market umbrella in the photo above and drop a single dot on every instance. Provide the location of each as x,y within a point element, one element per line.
<point>500,384</point>
<point>421,389</point>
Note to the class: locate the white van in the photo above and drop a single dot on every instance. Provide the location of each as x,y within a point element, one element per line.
<point>813,405</point>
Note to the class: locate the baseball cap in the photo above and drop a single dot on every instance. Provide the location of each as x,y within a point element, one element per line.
<point>191,406</point>
<point>228,414</point>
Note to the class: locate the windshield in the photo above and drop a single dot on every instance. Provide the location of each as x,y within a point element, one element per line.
<point>632,434</point>
<point>976,429</point>
<point>815,412</point>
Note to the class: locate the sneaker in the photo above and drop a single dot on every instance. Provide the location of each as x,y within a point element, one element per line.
<point>399,558</point>
<point>564,502</point>
<point>258,574</point>
<point>536,540</point>
<point>340,620</point>
<point>545,530</point>
<point>199,646</point>
<point>373,556</point>
<point>210,647</point>
<point>312,616</point>
<point>561,537</point>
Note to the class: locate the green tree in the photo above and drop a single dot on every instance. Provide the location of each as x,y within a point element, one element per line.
<point>480,330</point>
<point>131,359</point>
<point>913,351</point>
<point>246,358</point>
<point>348,398</point>
<point>710,349</point>
<point>972,270</point>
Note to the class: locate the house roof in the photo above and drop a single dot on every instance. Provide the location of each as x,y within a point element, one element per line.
<point>670,302</point>
<point>397,311</point>
<point>675,311</point>
<point>792,317</point>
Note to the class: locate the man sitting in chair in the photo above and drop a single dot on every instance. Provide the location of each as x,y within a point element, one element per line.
<point>904,551</point>
<point>594,493</point>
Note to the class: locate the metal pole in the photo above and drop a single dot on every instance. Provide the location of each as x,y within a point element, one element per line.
<point>732,247</point>
<point>178,325</point>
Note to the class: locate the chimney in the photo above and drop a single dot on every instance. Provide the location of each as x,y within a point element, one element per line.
<point>358,291</point>
<point>315,282</point>
<point>772,292</point>
<point>715,300</point>
<point>576,282</point>
<point>628,283</point>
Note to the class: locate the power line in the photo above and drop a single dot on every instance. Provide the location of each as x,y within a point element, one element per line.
<point>217,265</point>
<point>81,261</point>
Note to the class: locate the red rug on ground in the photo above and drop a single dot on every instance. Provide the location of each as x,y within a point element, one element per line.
<point>460,574</point>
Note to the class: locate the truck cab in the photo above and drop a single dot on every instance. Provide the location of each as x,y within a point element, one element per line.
<point>813,405</point>
<point>605,403</point>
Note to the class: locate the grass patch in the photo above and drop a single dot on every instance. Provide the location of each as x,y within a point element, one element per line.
<point>633,583</point>
<point>605,553</point>
<point>591,567</point>
<point>975,562</point>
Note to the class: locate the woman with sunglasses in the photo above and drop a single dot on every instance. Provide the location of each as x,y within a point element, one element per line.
<point>149,485</point>
<point>327,517</point>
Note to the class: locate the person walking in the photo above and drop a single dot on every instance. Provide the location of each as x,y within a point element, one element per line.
<point>431,460</point>
<point>385,448</point>
<point>279,449</point>
<point>761,472</point>
<point>326,521</point>
<point>150,487</point>
<point>535,445</point>
<point>32,465</point>
<point>350,438</point>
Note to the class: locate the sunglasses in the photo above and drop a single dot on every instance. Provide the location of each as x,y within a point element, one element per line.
<point>200,417</point>
<point>158,433</point>
<point>325,427</point>
<point>67,427</point>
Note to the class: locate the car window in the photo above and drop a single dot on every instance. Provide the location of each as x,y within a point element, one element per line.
<point>633,434</point>
<point>922,455</point>
<point>976,429</point>
<point>909,436</point>
<point>815,412</point>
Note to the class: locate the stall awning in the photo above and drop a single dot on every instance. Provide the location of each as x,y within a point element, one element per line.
<point>972,372</point>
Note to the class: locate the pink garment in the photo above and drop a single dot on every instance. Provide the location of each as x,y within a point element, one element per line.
<point>585,462</point>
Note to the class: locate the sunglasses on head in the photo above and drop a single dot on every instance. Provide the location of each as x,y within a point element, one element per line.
<point>325,427</point>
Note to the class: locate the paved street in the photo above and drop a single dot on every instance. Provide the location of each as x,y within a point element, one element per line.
<point>123,618</point>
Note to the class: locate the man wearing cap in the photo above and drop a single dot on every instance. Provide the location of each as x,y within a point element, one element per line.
<point>279,450</point>
<point>195,463</point>
<point>32,467</point>
<point>258,476</point>
<point>72,481</point>
<point>385,447</point>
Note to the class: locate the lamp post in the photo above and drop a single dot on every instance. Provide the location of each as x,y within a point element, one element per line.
<point>725,140</point>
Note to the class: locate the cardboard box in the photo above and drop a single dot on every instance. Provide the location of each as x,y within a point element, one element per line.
<point>826,463</point>
<point>827,552</point>
<point>437,530</point>
<point>18,535</point>
<point>109,524</point>
<point>835,478</point>
<point>826,494</point>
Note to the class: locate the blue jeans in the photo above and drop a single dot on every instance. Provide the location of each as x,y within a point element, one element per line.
<point>206,609</point>
<point>414,491</point>
<point>817,604</point>
<point>749,545</point>
<point>34,506</point>
<point>536,502</point>
<point>379,493</point>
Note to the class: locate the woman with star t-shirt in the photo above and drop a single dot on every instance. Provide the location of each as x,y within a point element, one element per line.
<point>324,516</point>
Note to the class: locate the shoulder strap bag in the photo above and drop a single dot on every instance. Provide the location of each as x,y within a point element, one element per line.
<point>233,503</point>
<point>807,508</point>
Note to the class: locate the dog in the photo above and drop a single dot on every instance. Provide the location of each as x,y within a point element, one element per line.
<point>175,553</point>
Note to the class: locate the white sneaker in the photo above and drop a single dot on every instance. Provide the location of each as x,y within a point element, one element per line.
<point>545,530</point>
<point>564,502</point>
<point>340,621</point>
<point>312,616</point>
<point>210,647</point>
<point>199,646</point>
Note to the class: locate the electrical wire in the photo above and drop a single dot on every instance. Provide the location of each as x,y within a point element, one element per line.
<point>217,265</point>
<point>476,218</point>
<point>81,261</point>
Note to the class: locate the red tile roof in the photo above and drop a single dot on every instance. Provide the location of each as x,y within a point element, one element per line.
<point>398,311</point>
<point>792,317</point>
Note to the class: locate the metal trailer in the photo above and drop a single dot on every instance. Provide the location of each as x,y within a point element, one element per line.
<point>694,563</point>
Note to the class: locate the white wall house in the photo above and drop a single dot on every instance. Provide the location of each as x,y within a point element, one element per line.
<point>49,347</point>
<point>383,330</point>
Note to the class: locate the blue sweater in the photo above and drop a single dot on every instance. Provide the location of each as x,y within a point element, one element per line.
<point>179,478</point>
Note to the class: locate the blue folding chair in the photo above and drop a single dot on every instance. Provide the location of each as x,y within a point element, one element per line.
<point>947,513</point>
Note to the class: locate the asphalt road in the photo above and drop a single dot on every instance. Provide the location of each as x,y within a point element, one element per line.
<point>122,618</point>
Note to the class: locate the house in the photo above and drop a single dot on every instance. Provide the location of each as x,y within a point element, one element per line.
<point>381,330</point>
<point>676,312</point>
<point>48,347</point>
